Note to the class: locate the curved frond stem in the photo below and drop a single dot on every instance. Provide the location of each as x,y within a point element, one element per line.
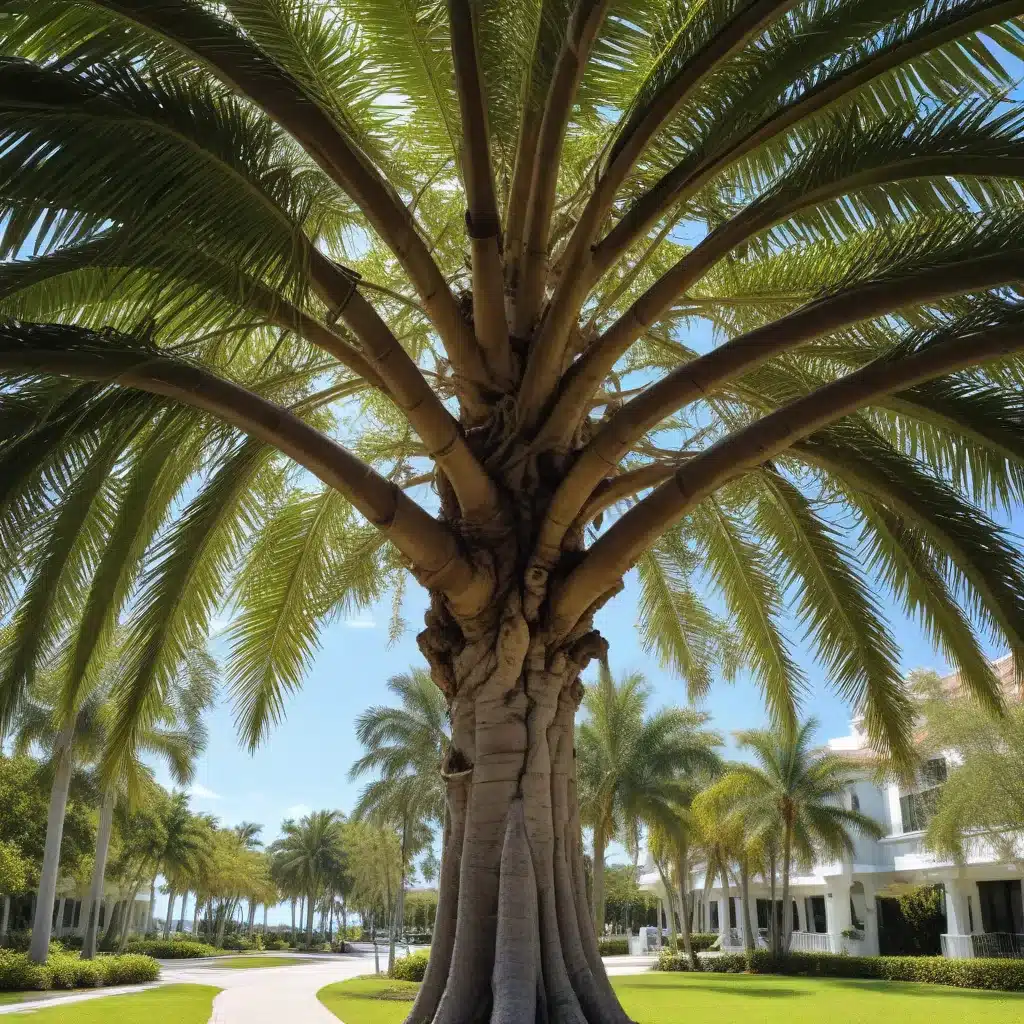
<point>581,33</point>
<point>483,222</point>
<point>702,375</point>
<point>77,352</point>
<point>688,177</point>
<point>240,64</point>
<point>615,551</point>
<point>625,485</point>
<point>574,279</point>
<point>588,372</point>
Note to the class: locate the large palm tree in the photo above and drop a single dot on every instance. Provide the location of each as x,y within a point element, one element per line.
<point>306,852</point>
<point>444,267</point>
<point>795,792</point>
<point>633,765</point>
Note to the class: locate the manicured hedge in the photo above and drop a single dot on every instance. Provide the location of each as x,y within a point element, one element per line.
<point>410,968</point>
<point>67,970</point>
<point>613,947</point>
<point>702,941</point>
<point>1004,975</point>
<point>172,949</point>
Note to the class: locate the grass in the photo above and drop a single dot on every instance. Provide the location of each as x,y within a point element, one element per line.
<point>731,999</point>
<point>180,1004</point>
<point>246,963</point>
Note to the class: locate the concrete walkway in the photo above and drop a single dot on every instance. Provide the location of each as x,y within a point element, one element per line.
<point>275,995</point>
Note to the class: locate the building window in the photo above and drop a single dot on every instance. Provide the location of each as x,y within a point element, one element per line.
<point>714,915</point>
<point>933,773</point>
<point>917,809</point>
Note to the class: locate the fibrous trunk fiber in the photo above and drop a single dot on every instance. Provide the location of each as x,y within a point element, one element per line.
<point>514,941</point>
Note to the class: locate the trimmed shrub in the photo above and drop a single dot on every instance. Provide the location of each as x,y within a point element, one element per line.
<point>702,941</point>
<point>128,968</point>
<point>410,968</point>
<point>613,947</point>
<point>68,971</point>
<point>171,949</point>
<point>1000,975</point>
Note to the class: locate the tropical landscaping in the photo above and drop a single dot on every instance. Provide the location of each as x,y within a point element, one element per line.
<point>513,313</point>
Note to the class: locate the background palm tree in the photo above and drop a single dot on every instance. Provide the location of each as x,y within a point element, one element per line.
<point>181,859</point>
<point>796,792</point>
<point>631,764</point>
<point>306,852</point>
<point>268,344</point>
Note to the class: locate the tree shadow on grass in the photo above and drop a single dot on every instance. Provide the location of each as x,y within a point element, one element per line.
<point>917,988</point>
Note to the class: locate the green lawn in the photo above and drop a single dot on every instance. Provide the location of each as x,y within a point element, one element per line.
<point>180,1004</point>
<point>245,963</point>
<point>733,999</point>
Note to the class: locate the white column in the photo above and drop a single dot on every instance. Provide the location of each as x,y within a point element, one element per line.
<point>801,914</point>
<point>723,921</point>
<point>870,942</point>
<point>837,911</point>
<point>957,921</point>
<point>58,928</point>
<point>975,894</point>
<point>895,811</point>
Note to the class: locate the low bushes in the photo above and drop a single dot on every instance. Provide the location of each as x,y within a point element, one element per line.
<point>613,947</point>
<point>172,949</point>
<point>702,941</point>
<point>1003,975</point>
<point>410,968</point>
<point>67,970</point>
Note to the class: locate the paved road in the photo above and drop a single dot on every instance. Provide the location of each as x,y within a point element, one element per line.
<point>271,995</point>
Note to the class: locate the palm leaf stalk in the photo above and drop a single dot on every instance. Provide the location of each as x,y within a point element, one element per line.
<point>300,298</point>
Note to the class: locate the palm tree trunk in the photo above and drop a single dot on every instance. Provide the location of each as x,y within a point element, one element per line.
<point>42,926</point>
<point>310,911</point>
<point>195,916</point>
<point>266,910</point>
<point>709,881</point>
<point>667,886</point>
<point>600,841</point>
<point>152,907</point>
<point>181,918</point>
<point>787,909</point>
<point>91,914</point>
<point>748,931</point>
<point>5,917</point>
<point>773,921</point>
<point>169,924</point>
<point>222,924</point>
<point>724,925</point>
<point>252,916</point>
<point>373,939</point>
<point>683,874</point>
<point>293,920</point>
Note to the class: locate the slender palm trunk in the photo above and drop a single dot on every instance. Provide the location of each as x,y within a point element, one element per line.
<point>42,926</point>
<point>373,939</point>
<point>169,924</point>
<point>748,931</point>
<point>91,912</point>
<point>310,911</point>
<point>709,881</point>
<point>773,918</point>
<point>195,916</point>
<point>669,900</point>
<point>222,923</point>
<point>293,920</point>
<point>181,916</point>
<point>252,917</point>
<point>5,917</point>
<point>683,874</point>
<point>151,913</point>
<point>600,842</point>
<point>725,928</point>
<point>787,860</point>
<point>266,910</point>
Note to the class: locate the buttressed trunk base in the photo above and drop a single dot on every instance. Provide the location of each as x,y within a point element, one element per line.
<point>514,941</point>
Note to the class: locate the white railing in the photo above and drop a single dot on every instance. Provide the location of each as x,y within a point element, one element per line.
<point>958,946</point>
<point>811,942</point>
<point>999,944</point>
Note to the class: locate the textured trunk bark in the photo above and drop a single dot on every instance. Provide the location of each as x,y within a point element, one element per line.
<point>748,931</point>
<point>181,917</point>
<point>169,923</point>
<point>91,913</point>
<point>514,941</point>
<point>150,914</point>
<point>5,917</point>
<point>725,928</point>
<point>787,860</point>
<point>773,917</point>
<point>43,922</point>
<point>310,911</point>
<point>293,921</point>
<point>683,872</point>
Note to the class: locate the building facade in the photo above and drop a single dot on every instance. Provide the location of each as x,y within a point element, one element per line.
<point>852,906</point>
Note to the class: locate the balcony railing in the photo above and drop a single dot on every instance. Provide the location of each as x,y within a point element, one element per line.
<point>811,942</point>
<point>1002,945</point>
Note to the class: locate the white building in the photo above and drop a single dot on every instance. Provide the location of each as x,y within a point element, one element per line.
<point>848,906</point>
